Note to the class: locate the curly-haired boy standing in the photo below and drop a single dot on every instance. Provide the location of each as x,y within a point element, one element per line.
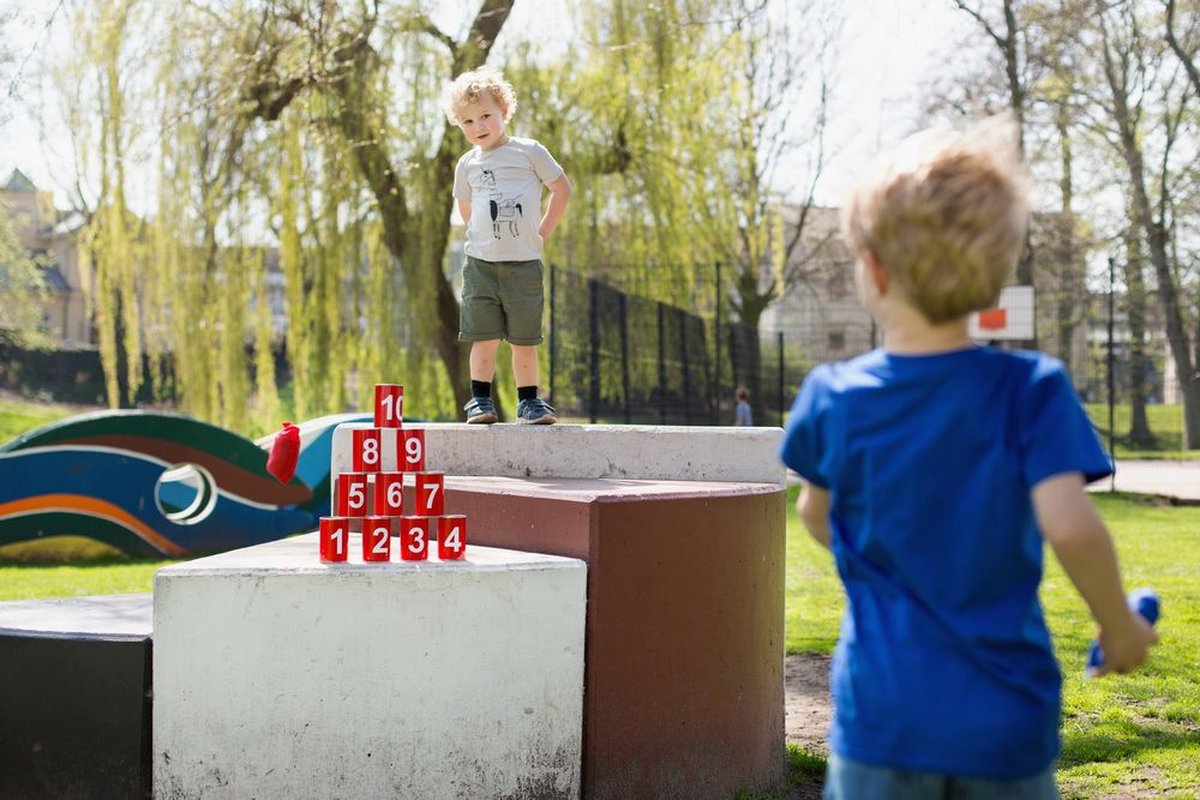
<point>498,186</point>
<point>934,469</point>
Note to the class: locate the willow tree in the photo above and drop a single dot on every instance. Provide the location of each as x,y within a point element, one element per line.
<point>275,125</point>
<point>113,249</point>
<point>327,58</point>
<point>627,123</point>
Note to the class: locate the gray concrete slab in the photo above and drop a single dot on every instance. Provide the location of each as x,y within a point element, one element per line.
<point>1177,479</point>
<point>114,616</point>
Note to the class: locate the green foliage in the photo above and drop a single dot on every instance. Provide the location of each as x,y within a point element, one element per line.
<point>319,131</point>
<point>22,288</point>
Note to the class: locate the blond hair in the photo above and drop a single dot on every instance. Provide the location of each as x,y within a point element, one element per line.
<point>946,213</point>
<point>467,87</point>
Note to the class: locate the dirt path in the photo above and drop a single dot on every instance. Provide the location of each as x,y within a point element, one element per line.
<point>807,708</point>
<point>807,705</point>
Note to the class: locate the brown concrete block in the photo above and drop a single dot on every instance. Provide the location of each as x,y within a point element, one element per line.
<point>683,694</point>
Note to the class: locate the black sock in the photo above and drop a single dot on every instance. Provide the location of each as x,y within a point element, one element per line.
<point>481,388</point>
<point>526,392</point>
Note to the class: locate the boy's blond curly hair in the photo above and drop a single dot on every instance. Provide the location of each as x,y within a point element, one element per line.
<point>467,87</point>
<point>946,213</point>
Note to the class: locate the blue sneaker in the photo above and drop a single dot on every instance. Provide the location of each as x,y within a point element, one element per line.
<point>480,411</point>
<point>536,412</point>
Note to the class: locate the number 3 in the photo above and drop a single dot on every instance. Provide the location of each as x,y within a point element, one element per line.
<point>418,539</point>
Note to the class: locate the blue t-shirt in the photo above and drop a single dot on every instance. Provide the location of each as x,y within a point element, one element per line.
<point>944,663</point>
<point>742,415</point>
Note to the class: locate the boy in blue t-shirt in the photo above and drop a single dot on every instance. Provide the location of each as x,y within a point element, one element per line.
<point>934,469</point>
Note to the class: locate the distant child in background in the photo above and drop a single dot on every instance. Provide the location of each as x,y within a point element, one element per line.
<point>498,186</point>
<point>742,416</point>
<point>933,470</point>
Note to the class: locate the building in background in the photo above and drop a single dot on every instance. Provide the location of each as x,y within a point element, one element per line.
<point>821,319</point>
<point>53,237</point>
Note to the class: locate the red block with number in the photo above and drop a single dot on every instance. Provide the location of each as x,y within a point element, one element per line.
<point>389,494</point>
<point>410,450</point>
<point>414,538</point>
<point>377,539</point>
<point>367,453</point>
<point>452,537</point>
<point>431,500</point>
<point>351,495</point>
<point>335,538</point>
<point>389,405</point>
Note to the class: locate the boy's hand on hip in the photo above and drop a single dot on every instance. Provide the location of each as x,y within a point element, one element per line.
<point>1126,647</point>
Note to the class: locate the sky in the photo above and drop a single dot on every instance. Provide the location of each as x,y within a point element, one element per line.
<point>887,48</point>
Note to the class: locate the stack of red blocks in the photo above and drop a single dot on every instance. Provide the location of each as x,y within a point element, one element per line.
<point>372,499</point>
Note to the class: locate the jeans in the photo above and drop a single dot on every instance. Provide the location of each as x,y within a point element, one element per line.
<point>852,780</point>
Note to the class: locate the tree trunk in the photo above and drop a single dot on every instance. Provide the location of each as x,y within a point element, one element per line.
<point>1156,237</point>
<point>418,246</point>
<point>1072,288</point>
<point>1168,293</point>
<point>1135,310</point>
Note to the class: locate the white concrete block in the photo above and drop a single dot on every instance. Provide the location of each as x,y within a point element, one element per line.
<point>636,452</point>
<point>276,676</point>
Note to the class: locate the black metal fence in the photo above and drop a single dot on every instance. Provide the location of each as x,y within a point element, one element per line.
<point>615,357</point>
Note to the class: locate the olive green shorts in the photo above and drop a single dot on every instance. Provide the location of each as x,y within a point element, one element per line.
<point>501,300</point>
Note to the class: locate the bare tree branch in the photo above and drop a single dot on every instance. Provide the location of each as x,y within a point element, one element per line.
<point>1189,65</point>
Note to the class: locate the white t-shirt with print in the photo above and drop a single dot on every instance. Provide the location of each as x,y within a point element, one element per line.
<point>504,186</point>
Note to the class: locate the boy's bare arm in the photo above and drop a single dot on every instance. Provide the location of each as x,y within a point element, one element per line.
<point>560,193</point>
<point>813,508</point>
<point>464,209</point>
<point>1069,522</point>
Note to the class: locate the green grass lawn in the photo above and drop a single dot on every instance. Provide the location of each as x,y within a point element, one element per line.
<point>19,416</point>
<point>1166,426</point>
<point>29,581</point>
<point>1134,735</point>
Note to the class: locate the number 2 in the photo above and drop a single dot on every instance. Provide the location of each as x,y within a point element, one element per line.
<point>380,548</point>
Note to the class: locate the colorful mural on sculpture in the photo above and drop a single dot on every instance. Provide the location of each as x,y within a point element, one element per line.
<point>154,484</point>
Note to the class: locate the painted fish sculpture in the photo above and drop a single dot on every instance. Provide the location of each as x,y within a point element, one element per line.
<point>154,484</point>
